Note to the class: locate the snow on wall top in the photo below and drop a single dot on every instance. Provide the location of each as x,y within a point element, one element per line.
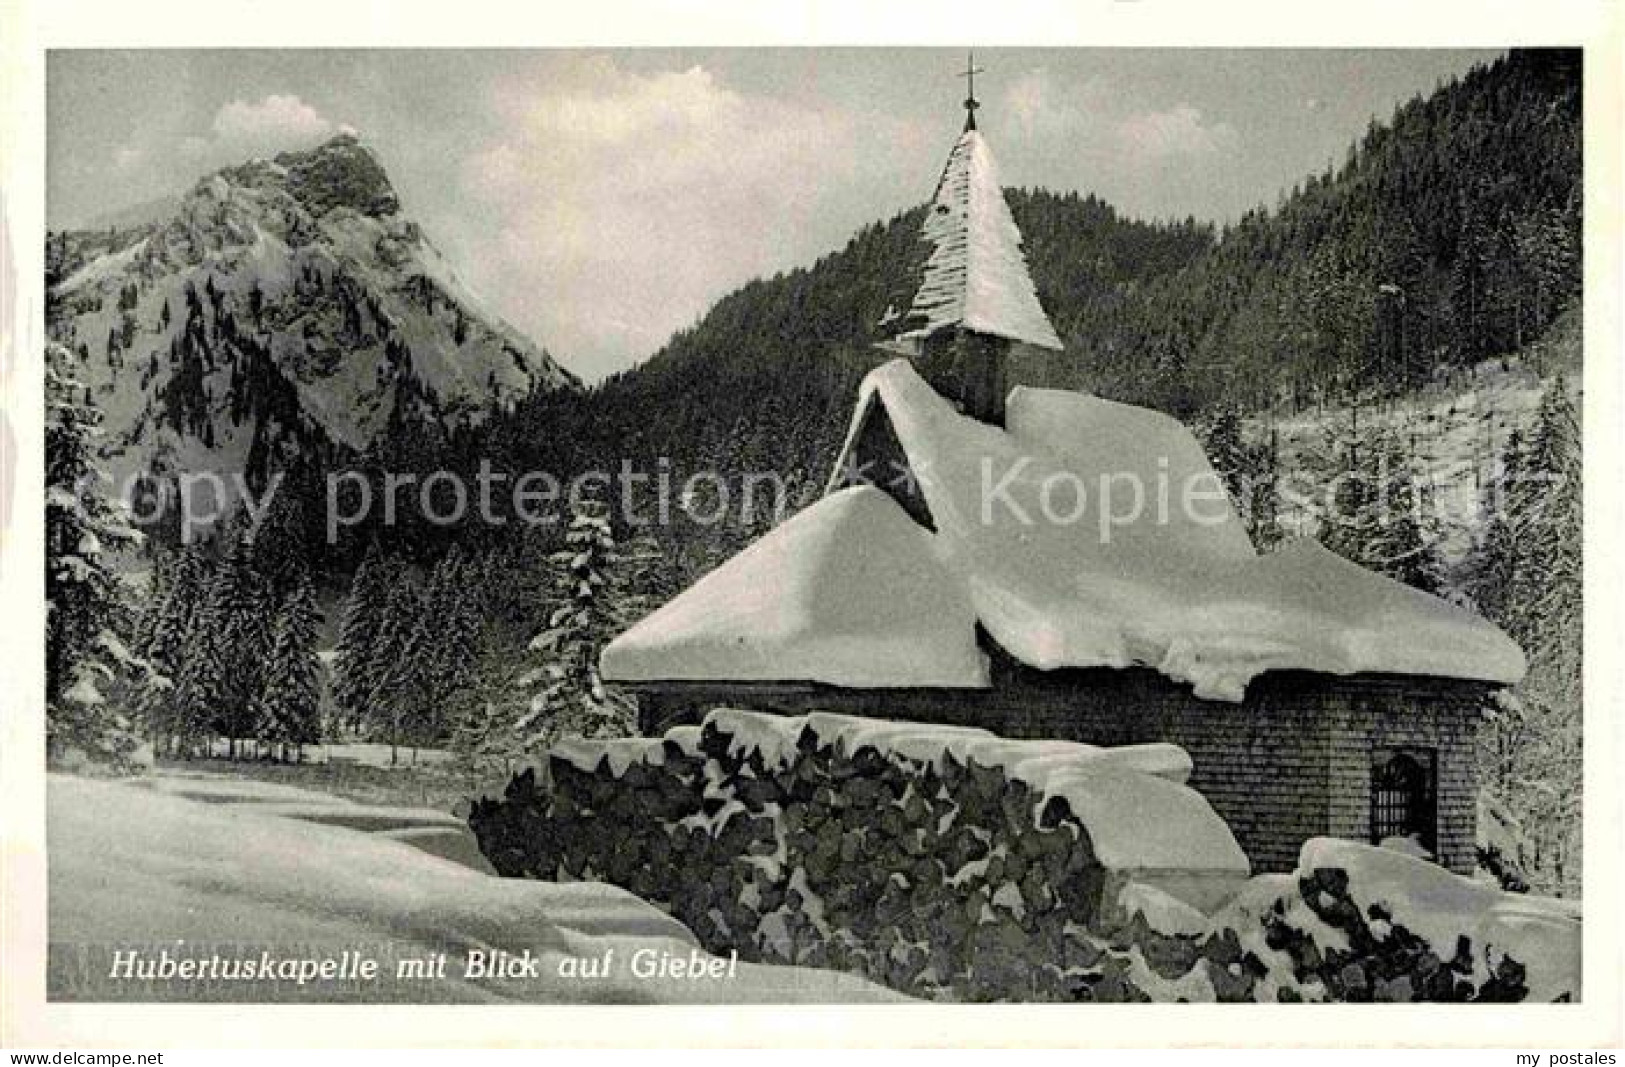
<point>774,738</point>
<point>1116,578</point>
<point>848,592</point>
<point>976,276</point>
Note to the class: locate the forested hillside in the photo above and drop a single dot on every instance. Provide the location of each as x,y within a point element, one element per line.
<point>1450,233</point>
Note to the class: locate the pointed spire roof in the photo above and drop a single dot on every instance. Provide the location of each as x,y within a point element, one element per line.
<point>976,276</point>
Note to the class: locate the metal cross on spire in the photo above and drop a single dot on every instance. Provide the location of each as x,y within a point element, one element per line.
<point>971,103</point>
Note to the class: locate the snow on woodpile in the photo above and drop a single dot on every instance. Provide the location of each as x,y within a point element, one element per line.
<point>1359,923</point>
<point>1505,935</point>
<point>1095,534</point>
<point>134,867</point>
<point>942,861</point>
<point>775,739</point>
<point>847,592</point>
<point>1115,794</point>
<point>976,276</point>
<point>944,870</point>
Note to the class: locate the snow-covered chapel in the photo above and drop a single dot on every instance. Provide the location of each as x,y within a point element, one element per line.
<point>1313,696</point>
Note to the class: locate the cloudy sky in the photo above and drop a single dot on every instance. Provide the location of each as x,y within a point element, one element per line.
<point>599,200</point>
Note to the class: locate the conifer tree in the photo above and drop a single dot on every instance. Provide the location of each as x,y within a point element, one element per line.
<point>572,699</point>
<point>1407,535</point>
<point>1495,566</point>
<point>1529,580</point>
<point>1249,470</point>
<point>202,688</point>
<point>287,712</point>
<point>363,619</point>
<point>167,630</point>
<point>1227,451</point>
<point>85,606</point>
<point>1383,515</point>
<point>248,611</point>
<point>450,639</point>
<point>393,667</point>
<point>1263,519</point>
<point>1550,527</point>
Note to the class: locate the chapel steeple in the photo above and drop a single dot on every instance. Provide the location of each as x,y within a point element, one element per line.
<point>976,309</point>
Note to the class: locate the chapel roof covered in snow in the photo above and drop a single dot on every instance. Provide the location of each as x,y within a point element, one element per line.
<point>852,592</point>
<point>849,592</point>
<point>976,276</point>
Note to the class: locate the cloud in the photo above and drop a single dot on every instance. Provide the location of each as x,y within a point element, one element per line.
<point>1025,98</point>
<point>630,201</point>
<point>277,119</point>
<point>238,130</point>
<point>1178,134</point>
<point>1078,130</point>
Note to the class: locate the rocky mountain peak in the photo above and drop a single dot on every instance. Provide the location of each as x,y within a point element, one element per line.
<point>341,172</point>
<point>285,305</point>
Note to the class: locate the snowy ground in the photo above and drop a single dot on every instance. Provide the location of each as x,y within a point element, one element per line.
<point>252,873</point>
<point>368,754</point>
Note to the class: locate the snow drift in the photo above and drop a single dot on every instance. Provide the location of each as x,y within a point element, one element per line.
<point>135,867</point>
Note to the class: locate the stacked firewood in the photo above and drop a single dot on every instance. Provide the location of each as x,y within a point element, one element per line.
<point>929,863</point>
<point>937,876</point>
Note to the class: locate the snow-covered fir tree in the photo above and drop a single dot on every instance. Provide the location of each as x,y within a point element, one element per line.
<point>1407,540</point>
<point>571,699</point>
<point>1495,574</point>
<point>84,655</point>
<point>393,706</point>
<point>288,711</point>
<point>1250,471</point>
<point>353,682</point>
<point>1529,580</point>
<point>1264,516</point>
<point>1227,451</point>
<point>168,629</point>
<point>449,640</point>
<point>202,691</point>
<point>1382,513</point>
<point>248,610</point>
